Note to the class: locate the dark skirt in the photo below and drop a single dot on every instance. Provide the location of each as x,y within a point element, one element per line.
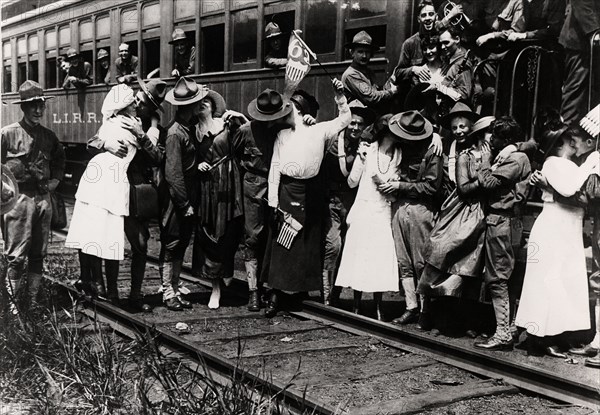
<point>299,268</point>
<point>455,251</point>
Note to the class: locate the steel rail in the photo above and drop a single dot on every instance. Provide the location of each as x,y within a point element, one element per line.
<point>296,400</point>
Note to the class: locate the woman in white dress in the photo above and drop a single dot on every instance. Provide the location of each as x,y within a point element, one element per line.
<point>554,299</point>
<point>102,199</point>
<point>369,260</point>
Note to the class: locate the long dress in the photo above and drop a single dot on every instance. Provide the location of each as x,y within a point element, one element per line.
<point>102,199</point>
<point>555,287</point>
<point>369,260</point>
<point>455,250</point>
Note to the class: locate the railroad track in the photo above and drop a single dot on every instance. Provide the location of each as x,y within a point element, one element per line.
<point>329,335</point>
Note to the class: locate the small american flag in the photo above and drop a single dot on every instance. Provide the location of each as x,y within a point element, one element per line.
<point>298,63</point>
<point>289,231</point>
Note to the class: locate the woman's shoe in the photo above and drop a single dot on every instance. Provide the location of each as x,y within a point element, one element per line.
<point>272,306</point>
<point>425,322</point>
<point>555,352</point>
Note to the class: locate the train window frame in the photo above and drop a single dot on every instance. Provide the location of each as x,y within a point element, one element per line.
<point>211,22</point>
<point>33,60</point>
<point>249,64</point>
<point>145,6</point>
<point>207,13</point>
<point>126,14</point>
<point>7,67</point>
<point>66,28</point>
<point>184,18</point>
<point>237,5</point>
<point>338,50</point>
<point>187,28</point>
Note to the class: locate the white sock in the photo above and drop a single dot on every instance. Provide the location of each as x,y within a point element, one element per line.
<point>215,296</point>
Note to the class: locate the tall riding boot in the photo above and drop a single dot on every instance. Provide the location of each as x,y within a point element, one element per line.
<point>326,287</point>
<point>111,267</point>
<point>12,287</point>
<point>378,297</point>
<point>251,269</point>
<point>95,283</point>
<point>33,286</point>
<point>356,303</point>
<point>502,339</point>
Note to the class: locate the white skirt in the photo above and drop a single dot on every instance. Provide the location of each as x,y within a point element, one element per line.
<point>369,260</point>
<point>96,232</point>
<point>555,295</point>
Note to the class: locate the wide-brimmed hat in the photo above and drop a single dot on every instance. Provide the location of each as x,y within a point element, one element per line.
<point>460,109</point>
<point>186,91</point>
<point>417,99</point>
<point>358,108</point>
<point>30,91</point>
<point>272,30</point>
<point>155,90</point>
<point>71,54</point>
<point>178,36</point>
<point>482,124</point>
<point>9,189</point>
<point>268,106</point>
<point>362,38</point>
<point>102,54</point>
<point>219,106</point>
<point>411,126</point>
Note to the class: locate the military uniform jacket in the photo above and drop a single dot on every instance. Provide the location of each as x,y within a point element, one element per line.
<point>359,83</point>
<point>33,154</point>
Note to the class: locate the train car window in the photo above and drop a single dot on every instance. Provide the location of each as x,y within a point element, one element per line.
<point>7,80</point>
<point>186,8</point>
<point>212,6</point>
<point>151,58</point>
<point>64,35</point>
<point>21,72</point>
<point>244,35</point>
<point>33,70</point>
<point>50,41</point>
<point>133,48</point>
<point>51,73</point>
<point>87,55</point>
<point>213,48</point>
<point>129,20</point>
<point>378,33</point>
<point>151,15</point>
<point>359,9</point>
<point>286,22</point>
<point>102,27</point>
<point>321,26</point>
<point>86,31</point>
<point>100,71</point>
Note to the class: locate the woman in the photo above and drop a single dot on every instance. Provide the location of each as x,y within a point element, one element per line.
<point>369,260</point>
<point>102,198</point>
<point>455,258</point>
<point>220,211</point>
<point>293,259</point>
<point>554,299</point>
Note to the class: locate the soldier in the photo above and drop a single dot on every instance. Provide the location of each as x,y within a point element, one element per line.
<point>127,65</point>
<point>37,159</point>
<point>103,75</point>
<point>359,80</point>
<point>79,73</point>
<point>277,55</point>
<point>254,142</point>
<point>151,154</point>
<point>185,54</point>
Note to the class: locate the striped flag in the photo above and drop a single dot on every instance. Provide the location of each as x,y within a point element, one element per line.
<point>289,231</point>
<point>298,63</point>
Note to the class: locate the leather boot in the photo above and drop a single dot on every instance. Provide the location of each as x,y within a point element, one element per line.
<point>273,305</point>
<point>33,286</point>
<point>251,270</point>
<point>356,302</point>
<point>502,339</point>
<point>12,287</point>
<point>111,268</point>
<point>326,287</point>
<point>138,268</point>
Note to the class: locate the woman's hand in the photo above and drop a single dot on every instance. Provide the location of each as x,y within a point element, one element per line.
<point>422,72</point>
<point>363,148</point>
<point>506,151</point>
<point>514,36</point>
<point>338,87</point>
<point>230,114</point>
<point>132,125</point>
<point>204,167</point>
<point>388,187</point>
<point>309,120</point>
<point>189,212</point>
<point>538,179</point>
<point>436,143</point>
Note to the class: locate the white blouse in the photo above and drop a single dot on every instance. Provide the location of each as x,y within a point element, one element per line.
<point>298,152</point>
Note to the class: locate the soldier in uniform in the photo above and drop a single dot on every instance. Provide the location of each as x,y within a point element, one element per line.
<point>140,170</point>
<point>359,79</point>
<point>103,74</point>
<point>79,73</point>
<point>277,55</point>
<point>185,54</point>
<point>127,65</point>
<point>37,159</point>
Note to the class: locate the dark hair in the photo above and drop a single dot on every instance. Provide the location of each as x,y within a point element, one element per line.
<point>423,3</point>
<point>453,30</point>
<point>507,129</point>
<point>433,40</point>
<point>305,103</point>
<point>576,130</point>
<point>547,119</point>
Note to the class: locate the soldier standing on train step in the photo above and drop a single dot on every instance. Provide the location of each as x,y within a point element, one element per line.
<point>185,54</point>
<point>79,73</point>
<point>37,160</point>
<point>127,65</point>
<point>255,142</point>
<point>359,80</point>
<point>140,170</point>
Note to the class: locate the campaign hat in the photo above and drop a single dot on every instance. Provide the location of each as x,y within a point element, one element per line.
<point>410,126</point>
<point>30,91</point>
<point>102,54</point>
<point>358,108</point>
<point>362,38</point>
<point>186,91</point>
<point>460,109</point>
<point>178,36</point>
<point>72,53</point>
<point>155,90</point>
<point>272,30</point>
<point>482,124</point>
<point>268,106</point>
